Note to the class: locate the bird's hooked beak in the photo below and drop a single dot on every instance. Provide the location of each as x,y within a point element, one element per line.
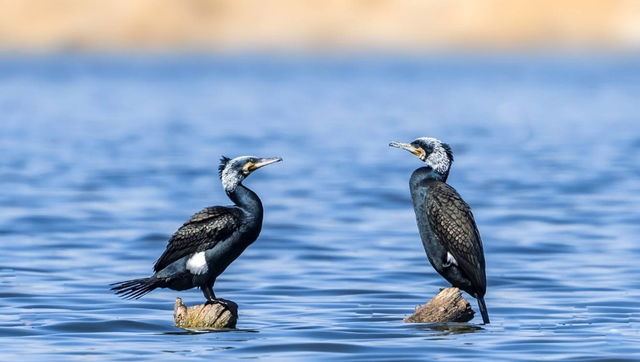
<point>417,151</point>
<point>263,162</point>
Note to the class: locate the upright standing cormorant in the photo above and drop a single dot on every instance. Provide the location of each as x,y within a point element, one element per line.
<point>211,240</point>
<point>447,228</point>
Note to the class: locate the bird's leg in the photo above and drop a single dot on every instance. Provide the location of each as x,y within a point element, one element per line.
<point>212,299</point>
<point>209,295</point>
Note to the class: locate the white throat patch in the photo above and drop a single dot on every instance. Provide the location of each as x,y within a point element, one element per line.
<point>197,263</point>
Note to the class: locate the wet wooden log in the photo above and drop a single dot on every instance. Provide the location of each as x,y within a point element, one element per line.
<point>205,316</point>
<point>446,306</point>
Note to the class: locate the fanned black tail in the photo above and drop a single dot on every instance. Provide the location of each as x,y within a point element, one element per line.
<point>483,311</point>
<point>136,288</point>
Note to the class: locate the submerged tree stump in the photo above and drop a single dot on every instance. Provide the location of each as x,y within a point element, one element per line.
<point>446,306</point>
<point>205,316</point>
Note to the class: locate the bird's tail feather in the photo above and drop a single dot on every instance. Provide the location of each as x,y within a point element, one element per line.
<point>483,311</point>
<point>136,288</point>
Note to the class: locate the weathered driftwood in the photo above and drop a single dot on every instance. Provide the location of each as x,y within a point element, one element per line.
<point>205,316</point>
<point>446,306</point>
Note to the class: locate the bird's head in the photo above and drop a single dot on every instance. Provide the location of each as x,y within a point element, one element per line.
<point>435,154</point>
<point>234,171</point>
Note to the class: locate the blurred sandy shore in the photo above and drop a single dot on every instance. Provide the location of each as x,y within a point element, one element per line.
<point>318,24</point>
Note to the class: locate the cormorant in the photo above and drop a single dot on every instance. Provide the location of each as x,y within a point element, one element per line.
<point>211,240</point>
<point>447,228</point>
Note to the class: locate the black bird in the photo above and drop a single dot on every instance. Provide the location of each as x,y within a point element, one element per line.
<point>211,240</point>
<point>447,228</point>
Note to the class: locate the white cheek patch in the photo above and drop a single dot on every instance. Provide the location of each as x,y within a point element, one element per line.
<point>438,160</point>
<point>450,261</point>
<point>197,263</point>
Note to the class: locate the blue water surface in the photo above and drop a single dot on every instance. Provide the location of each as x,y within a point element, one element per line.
<point>103,158</point>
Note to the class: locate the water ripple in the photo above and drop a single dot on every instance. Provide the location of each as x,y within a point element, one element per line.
<point>104,159</point>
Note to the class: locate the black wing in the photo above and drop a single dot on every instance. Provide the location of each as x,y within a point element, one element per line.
<point>453,223</point>
<point>203,231</point>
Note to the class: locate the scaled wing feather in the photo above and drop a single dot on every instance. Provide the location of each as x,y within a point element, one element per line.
<point>453,223</point>
<point>203,231</point>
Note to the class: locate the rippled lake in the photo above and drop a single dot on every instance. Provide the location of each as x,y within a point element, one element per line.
<point>103,158</point>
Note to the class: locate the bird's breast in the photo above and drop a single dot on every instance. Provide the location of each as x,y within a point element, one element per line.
<point>436,252</point>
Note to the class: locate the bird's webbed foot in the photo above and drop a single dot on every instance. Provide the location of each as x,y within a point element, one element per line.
<point>215,301</point>
<point>227,304</point>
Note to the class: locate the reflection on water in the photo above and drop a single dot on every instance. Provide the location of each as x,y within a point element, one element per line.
<point>103,159</point>
<point>445,329</point>
<point>190,331</point>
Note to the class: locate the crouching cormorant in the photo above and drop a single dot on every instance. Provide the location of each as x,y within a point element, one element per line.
<point>447,228</point>
<point>211,240</point>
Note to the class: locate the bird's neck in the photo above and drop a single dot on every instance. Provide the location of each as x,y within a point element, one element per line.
<point>426,175</point>
<point>246,199</point>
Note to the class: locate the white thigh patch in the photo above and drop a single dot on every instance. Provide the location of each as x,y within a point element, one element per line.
<point>450,260</point>
<point>197,263</point>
